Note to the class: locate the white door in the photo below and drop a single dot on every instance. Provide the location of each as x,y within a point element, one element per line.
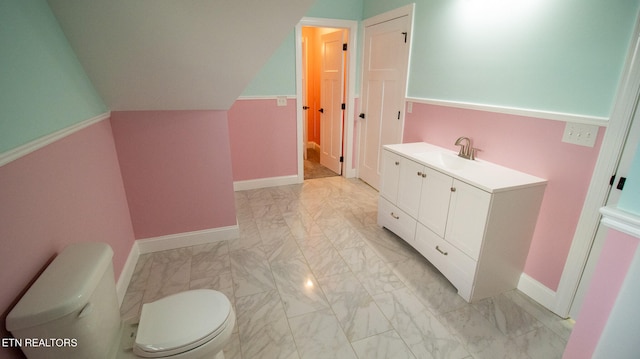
<point>331,100</point>
<point>385,61</point>
<point>626,158</point>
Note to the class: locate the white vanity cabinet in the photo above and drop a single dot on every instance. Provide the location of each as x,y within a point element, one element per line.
<point>472,220</point>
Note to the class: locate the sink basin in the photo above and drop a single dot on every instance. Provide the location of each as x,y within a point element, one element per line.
<point>447,160</point>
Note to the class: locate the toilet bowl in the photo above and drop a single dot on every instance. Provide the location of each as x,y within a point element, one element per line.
<point>189,324</point>
<point>74,301</point>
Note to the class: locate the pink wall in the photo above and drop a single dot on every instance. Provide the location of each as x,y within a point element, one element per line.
<point>263,139</point>
<point>69,191</point>
<point>530,145</point>
<point>615,259</point>
<point>176,170</point>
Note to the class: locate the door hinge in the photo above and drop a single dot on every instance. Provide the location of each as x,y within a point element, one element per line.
<point>344,47</point>
<point>405,36</point>
<point>343,106</point>
<point>341,159</point>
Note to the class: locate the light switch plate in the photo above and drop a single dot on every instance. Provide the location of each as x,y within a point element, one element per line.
<point>580,134</point>
<point>281,100</point>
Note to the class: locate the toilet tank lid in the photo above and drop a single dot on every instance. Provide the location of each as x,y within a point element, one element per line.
<point>64,286</point>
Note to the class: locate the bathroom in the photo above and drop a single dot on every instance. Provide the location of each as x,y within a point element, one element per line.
<point>100,184</point>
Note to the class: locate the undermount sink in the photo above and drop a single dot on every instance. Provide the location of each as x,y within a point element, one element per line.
<point>444,159</point>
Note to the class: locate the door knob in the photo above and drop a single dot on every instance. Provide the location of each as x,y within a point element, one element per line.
<point>305,107</point>
<point>361,115</point>
<point>321,110</point>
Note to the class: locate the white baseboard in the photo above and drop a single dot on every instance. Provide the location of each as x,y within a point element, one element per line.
<point>172,241</point>
<point>537,291</point>
<point>266,182</point>
<point>127,272</point>
<point>187,239</point>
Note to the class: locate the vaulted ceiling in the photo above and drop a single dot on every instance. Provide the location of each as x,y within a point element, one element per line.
<point>175,54</point>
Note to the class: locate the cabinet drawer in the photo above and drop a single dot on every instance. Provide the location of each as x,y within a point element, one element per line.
<point>396,220</point>
<point>451,262</point>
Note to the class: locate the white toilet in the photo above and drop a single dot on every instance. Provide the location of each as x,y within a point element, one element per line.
<point>72,311</point>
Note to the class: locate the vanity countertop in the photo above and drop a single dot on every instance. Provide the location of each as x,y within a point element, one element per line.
<point>485,175</point>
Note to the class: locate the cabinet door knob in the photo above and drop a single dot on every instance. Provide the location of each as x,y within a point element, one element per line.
<point>441,251</point>
<point>424,175</point>
<point>394,216</point>
<point>453,189</point>
<point>397,163</point>
<point>419,173</point>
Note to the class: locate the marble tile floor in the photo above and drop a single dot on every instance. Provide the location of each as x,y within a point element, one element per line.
<point>313,276</point>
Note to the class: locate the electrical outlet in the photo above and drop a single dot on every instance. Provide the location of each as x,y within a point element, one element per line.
<point>281,100</point>
<point>580,134</point>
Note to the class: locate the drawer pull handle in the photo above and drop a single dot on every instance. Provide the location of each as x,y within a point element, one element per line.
<point>394,216</point>
<point>441,251</point>
<point>453,189</point>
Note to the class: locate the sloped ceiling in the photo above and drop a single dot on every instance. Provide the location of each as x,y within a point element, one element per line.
<point>175,54</point>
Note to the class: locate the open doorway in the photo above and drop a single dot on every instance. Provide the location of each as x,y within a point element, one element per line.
<point>324,63</point>
<point>325,86</point>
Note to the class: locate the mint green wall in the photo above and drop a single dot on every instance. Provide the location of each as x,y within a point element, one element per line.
<point>278,76</point>
<point>561,56</point>
<point>630,198</point>
<point>43,87</point>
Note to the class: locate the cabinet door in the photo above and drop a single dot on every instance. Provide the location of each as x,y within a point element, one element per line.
<point>434,201</point>
<point>390,174</point>
<point>467,217</point>
<point>410,186</point>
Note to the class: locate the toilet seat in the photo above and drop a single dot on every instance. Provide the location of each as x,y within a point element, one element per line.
<point>181,322</point>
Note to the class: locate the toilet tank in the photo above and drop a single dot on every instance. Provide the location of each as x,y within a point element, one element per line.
<point>71,311</point>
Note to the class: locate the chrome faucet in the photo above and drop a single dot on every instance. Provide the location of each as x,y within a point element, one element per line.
<point>466,151</point>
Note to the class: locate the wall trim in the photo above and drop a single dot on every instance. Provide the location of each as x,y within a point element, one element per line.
<point>266,182</point>
<point>27,148</point>
<point>537,291</point>
<point>127,272</point>
<point>621,221</point>
<point>186,239</point>
<point>547,115</point>
<point>265,97</point>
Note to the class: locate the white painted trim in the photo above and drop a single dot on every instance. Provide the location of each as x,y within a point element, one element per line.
<point>621,221</point>
<point>547,115</point>
<point>127,272</point>
<point>606,165</point>
<point>352,26</point>
<point>270,97</point>
<point>266,182</point>
<point>390,15</point>
<point>537,291</point>
<point>27,148</point>
<point>187,239</point>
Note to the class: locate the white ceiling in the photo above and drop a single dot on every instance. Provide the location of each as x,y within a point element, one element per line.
<point>175,54</point>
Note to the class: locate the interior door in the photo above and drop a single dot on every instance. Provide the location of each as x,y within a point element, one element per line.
<point>624,165</point>
<point>385,61</point>
<point>331,100</point>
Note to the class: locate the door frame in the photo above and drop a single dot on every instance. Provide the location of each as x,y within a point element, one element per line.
<point>611,150</point>
<point>347,135</point>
